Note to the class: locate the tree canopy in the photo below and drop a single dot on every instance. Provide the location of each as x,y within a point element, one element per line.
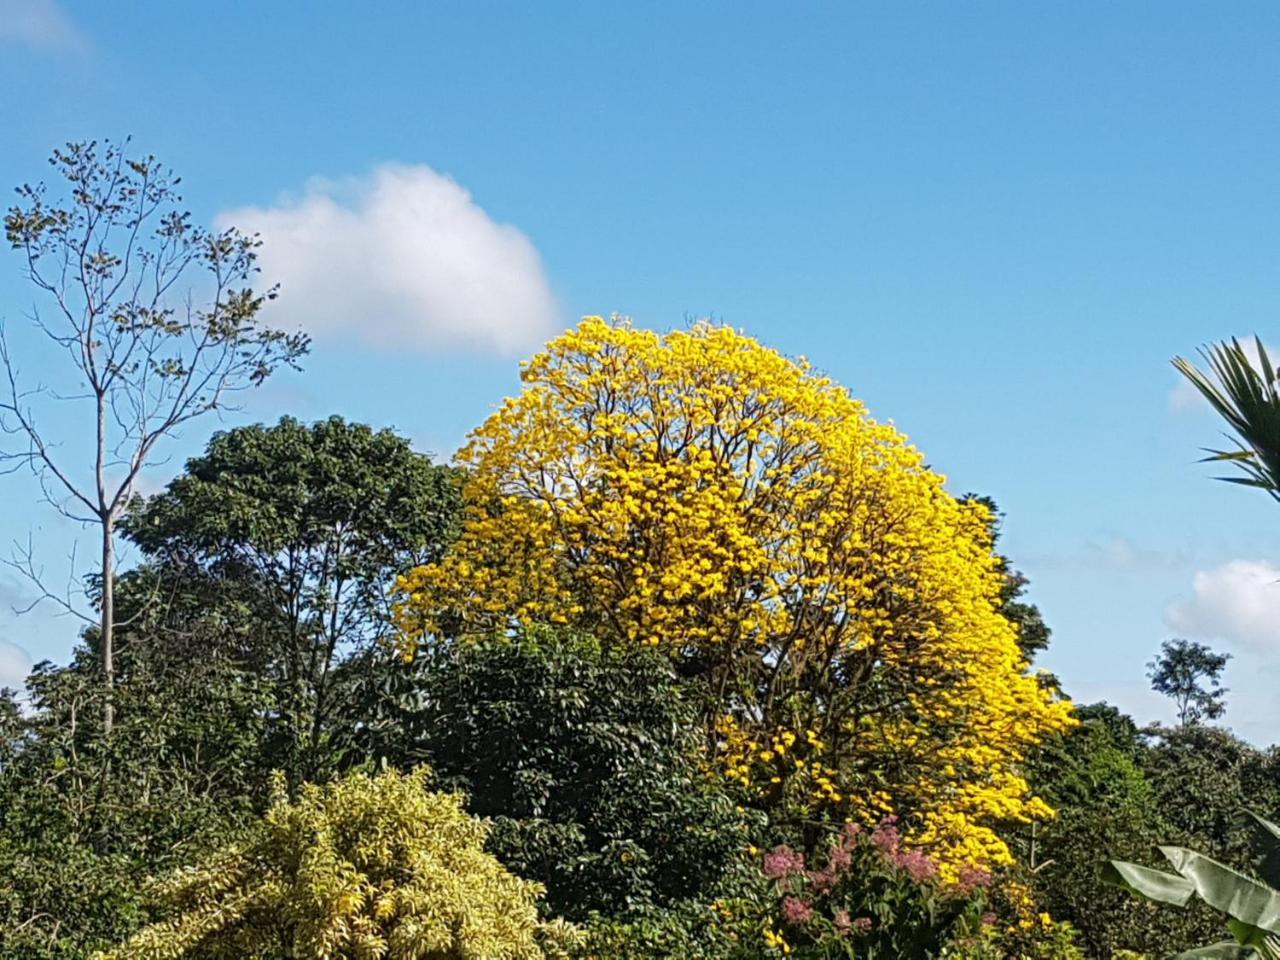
<point>701,494</point>
<point>1189,674</point>
<point>289,538</point>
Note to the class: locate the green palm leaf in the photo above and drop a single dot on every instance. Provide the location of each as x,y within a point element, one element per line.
<point>1245,395</point>
<point>1268,845</point>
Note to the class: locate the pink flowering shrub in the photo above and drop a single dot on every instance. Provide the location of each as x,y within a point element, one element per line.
<point>868,895</point>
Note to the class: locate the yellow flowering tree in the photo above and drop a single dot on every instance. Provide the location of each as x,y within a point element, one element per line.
<point>703,494</point>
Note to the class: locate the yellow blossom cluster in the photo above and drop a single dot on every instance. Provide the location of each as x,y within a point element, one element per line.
<point>775,941</point>
<point>1027,917</point>
<point>784,761</point>
<point>700,493</point>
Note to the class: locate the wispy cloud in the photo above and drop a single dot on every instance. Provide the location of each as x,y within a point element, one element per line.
<point>1237,603</point>
<point>1113,553</point>
<point>15,664</point>
<point>403,258</point>
<point>1122,553</point>
<point>39,24</point>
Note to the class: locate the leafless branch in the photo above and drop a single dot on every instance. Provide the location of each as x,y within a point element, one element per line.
<point>23,561</point>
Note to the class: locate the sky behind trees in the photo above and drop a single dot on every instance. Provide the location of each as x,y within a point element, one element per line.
<point>995,224</point>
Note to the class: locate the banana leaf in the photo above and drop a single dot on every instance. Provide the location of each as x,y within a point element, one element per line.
<point>1268,842</point>
<point>1248,902</point>
<point>1146,882</point>
<point>1227,950</point>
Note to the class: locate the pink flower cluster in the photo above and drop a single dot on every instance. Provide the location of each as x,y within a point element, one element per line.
<point>783,865</point>
<point>971,878</point>
<point>886,837</point>
<point>919,866</point>
<point>796,910</point>
<point>783,862</point>
<point>888,840</point>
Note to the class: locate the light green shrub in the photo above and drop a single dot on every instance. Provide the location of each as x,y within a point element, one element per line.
<point>367,868</point>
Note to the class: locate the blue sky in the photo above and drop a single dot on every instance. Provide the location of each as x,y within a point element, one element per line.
<point>994,222</point>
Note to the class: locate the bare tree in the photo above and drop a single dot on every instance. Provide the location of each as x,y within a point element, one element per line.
<point>156,320</point>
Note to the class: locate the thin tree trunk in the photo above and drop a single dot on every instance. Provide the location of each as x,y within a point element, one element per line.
<point>108,622</point>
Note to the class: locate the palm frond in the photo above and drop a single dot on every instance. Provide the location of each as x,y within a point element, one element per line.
<point>1246,396</point>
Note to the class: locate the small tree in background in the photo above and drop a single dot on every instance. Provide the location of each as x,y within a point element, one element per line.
<point>1189,674</point>
<point>143,354</point>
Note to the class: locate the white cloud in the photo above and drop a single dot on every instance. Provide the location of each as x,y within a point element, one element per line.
<point>1238,602</point>
<point>403,258</point>
<point>14,666</point>
<point>1184,396</point>
<point>40,24</point>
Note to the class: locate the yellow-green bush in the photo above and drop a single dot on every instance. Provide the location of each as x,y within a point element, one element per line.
<point>368,868</point>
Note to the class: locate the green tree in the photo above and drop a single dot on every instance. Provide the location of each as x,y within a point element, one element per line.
<point>1093,776</point>
<point>1189,673</point>
<point>287,539</point>
<point>366,868</point>
<point>1033,632</point>
<point>225,651</point>
<point>144,354</point>
<point>1203,777</point>
<point>85,818</point>
<point>588,761</point>
<point>10,724</point>
<point>1119,791</point>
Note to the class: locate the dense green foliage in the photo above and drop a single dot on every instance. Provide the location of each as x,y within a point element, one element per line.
<point>1094,777</point>
<point>85,819</point>
<point>1033,632</point>
<point>1120,792</point>
<point>587,759</point>
<point>1203,779</point>
<point>291,536</point>
<point>264,566</point>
